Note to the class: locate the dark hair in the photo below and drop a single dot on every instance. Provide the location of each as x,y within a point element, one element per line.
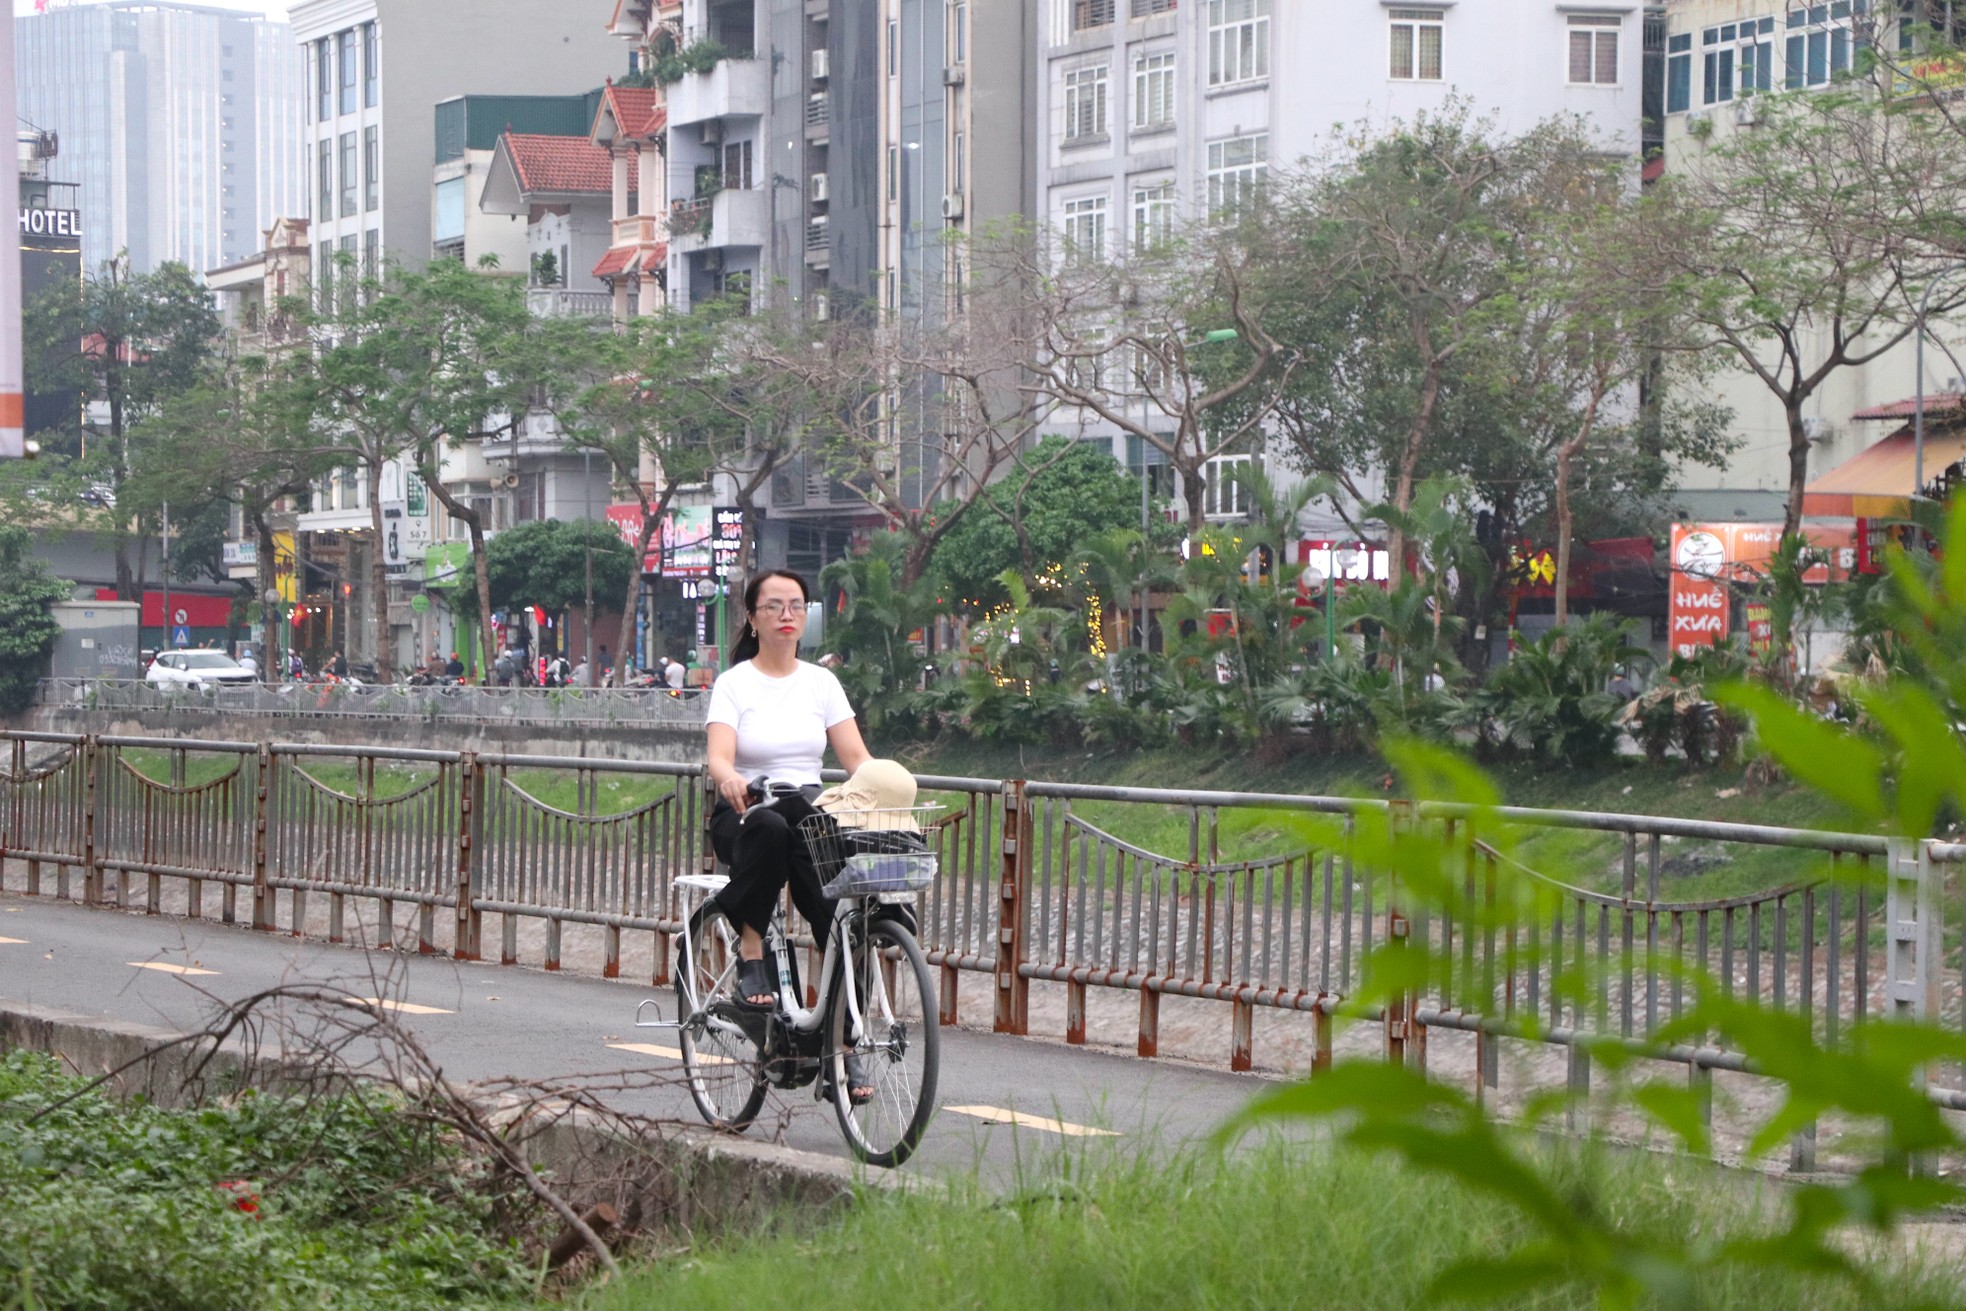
<point>746,645</point>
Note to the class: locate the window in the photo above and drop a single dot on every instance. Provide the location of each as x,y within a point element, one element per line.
<point>372,254</point>
<point>958,161</point>
<point>1088,14</point>
<point>893,47</point>
<point>1237,169</point>
<point>348,273</point>
<point>1148,8</point>
<point>894,172</point>
<point>371,169</point>
<point>958,31</point>
<point>1153,214</point>
<point>324,188</point>
<point>1594,49</point>
<point>1222,492</point>
<point>1679,73</point>
<point>1736,59</point>
<point>1152,374</point>
<point>1926,24</point>
<point>1085,103</point>
<point>324,79</point>
<point>1238,41</point>
<point>1085,228</point>
<point>1153,90</point>
<point>737,166</point>
<point>447,215</point>
<point>371,72</point>
<point>324,276</point>
<point>346,42</point>
<point>1416,43</point>
<point>348,187</point>
<point>1819,42</point>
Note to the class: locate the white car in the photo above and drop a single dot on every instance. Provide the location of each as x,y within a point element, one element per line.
<point>203,669</point>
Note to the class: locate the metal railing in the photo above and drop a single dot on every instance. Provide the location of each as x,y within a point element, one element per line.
<point>1268,901</point>
<point>586,706</point>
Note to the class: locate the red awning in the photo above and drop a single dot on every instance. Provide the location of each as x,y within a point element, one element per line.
<point>615,262</point>
<point>1878,482</point>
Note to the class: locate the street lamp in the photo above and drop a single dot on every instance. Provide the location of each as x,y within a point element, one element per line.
<point>1918,391</point>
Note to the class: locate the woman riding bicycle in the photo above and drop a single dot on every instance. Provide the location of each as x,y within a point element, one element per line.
<point>773,714</point>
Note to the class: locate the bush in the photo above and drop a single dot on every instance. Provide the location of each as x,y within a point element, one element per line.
<point>1551,697</point>
<point>259,1201</point>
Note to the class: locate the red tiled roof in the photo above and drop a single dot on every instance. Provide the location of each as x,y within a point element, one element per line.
<point>559,163</point>
<point>615,262</point>
<point>638,111</point>
<point>653,260</point>
<point>1934,403</point>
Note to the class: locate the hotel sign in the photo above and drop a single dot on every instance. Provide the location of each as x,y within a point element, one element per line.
<point>51,223</point>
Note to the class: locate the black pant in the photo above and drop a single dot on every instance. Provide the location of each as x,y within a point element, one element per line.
<point>765,852</point>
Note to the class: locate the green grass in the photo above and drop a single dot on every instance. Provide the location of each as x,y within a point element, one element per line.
<point>1283,1226</point>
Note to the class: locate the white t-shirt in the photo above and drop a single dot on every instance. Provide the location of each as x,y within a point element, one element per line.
<point>781,723</point>
<point>673,674</point>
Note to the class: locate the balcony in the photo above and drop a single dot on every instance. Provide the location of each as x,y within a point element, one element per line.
<point>818,116</point>
<point>559,303</point>
<point>731,217</point>
<point>735,88</point>
<point>636,230</point>
<point>819,246</point>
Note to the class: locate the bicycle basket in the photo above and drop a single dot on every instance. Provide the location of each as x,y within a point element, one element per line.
<point>861,862</point>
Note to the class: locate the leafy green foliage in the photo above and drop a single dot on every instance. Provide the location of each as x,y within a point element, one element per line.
<point>27,631</point>
<point>1551,697</point>
<point>342,1201</point>
<point>1062,493</point>
<point>544,563</point>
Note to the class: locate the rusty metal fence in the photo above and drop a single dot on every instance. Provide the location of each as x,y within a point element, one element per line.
<point>1058,885</point>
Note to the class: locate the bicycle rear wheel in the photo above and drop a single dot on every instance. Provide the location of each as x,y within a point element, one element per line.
<point>887,986</point>
<point>720,1061</point>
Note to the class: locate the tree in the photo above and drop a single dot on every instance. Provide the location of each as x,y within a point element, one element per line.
<point>27,630</point>
<point>544,563</point>
<point>246,433</point>
<point>1811,232</point>
<point>1170,347</point>
<point>410,365</point>
<point>1056,496</point>
<point>1420,233</point>
<point>646,395</point>
<point>130,342</point>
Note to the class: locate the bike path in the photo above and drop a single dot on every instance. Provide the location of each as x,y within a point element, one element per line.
<point>483,1021</point>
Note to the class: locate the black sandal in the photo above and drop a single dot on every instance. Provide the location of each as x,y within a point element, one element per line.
<point>754,980</point>
<point>857,1078</point>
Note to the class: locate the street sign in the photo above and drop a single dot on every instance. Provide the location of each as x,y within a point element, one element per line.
<point>181,635</point>
<point>180,616</point>
<point>420,603</point>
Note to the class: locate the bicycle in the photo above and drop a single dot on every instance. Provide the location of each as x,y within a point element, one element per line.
<point>873,1000</point>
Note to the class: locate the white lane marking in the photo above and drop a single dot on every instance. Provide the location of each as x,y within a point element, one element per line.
<point>403,1007</point>
<point>13,942</point>
<point>650,1049</point>
<point>1022,1120</point>
<point>165,967</point>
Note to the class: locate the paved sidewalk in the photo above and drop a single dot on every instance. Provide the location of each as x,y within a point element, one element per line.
<point>1025,1099</point>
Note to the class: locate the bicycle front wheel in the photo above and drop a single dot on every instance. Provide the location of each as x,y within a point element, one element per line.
<point>884,1014</point>
<point>720,1061</point>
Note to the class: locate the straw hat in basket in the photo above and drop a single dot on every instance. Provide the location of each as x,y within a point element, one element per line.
<point>878,796</point>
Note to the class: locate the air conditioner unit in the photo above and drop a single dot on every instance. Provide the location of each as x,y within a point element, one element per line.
<point>713,261</point>
<point>1746,112</point>
<point>952,205</point>
<point>821,307</point>
<point>952,74</point>
<point>819,186</point>
<point>510,480</point>
<point>713,132</point>
<point>1817,429</point>
<point>819,65</point>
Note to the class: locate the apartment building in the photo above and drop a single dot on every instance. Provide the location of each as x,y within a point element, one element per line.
<point>176,120</point>
<point>1150,113</point>
<point>1721,54</point>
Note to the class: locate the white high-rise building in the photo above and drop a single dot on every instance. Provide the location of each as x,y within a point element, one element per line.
<point>179,123</point>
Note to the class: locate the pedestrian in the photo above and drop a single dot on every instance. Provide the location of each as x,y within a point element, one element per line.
<point>604,664</point>
<point>296,667</point>
<point>249,662</point>
<point>673,675</point>
<point>503,668</point>
<point>558,672</point>
<point>338,665</point>
<point>579,675</point>
<point>1622,686</point>
<point>455,669</point>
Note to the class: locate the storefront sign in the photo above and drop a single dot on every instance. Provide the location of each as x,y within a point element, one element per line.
<point>681,549</point>
<point>1342,562</point>
<point>727,544</point>
<point>1707,557</point>
<point>51,223</point>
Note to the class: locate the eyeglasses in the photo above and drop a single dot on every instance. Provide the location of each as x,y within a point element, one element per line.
<point>779,609</point>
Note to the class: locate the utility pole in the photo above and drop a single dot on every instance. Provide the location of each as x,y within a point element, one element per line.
<point>166,644</point>
<point>587,538</point>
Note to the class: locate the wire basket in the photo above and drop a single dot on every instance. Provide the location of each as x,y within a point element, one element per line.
<point>877,852</point>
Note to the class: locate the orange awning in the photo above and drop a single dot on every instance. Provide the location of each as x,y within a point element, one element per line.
<point>1877,483</point>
